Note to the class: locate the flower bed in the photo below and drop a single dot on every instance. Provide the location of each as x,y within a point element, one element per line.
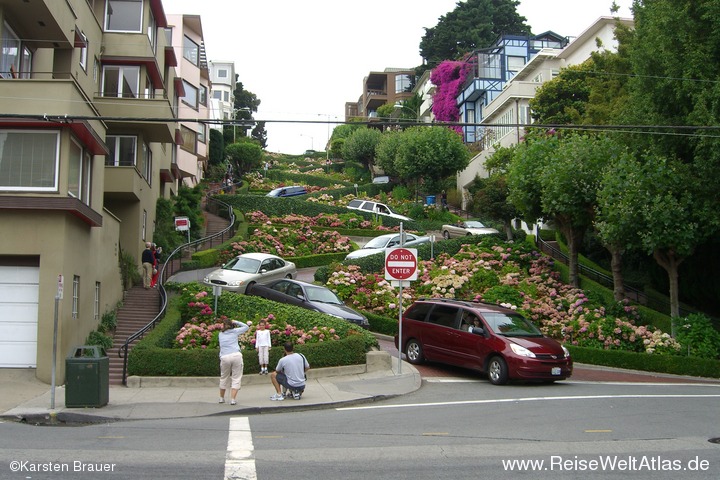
<point>518,277</point>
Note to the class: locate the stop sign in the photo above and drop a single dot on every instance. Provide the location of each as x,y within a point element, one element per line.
<point>401,264</point>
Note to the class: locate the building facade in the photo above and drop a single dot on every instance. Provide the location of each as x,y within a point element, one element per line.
<point>505,79</point>
<point>222,95</point>
<point>89,95</point>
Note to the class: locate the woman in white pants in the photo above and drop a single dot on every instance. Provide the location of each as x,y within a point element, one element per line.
<point>231,360</point>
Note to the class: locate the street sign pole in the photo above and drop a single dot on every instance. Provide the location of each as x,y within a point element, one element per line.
<point>58,297</point>
<point>400,304</point>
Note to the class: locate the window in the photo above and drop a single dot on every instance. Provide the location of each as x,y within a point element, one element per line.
<point>203,95</point>
<point>75,170</point>
<point>403,83</point>
<point>87,178</point>
<point>152,32</point>
<point>121,81</point>
<point>146,167</point>
<point>96,69</point>
<point>149,88</point>
<point>444,315</point>
<point>191,95</point>
<point>191,51</point>
<point>96,303</point>
<point>25,63</point>
<point>189,139</point>
<point>217,94</point>
<point>10,51</point>
<point>29,160</point>
<point>144,226</point>
<point>226,96</point>
<point>75,297</point>
<point>122,151</point>
<point>123,16</point>
<point>514,64</point>
<point>201,133</point>
<point>222,73</point>
<point>83,51</point>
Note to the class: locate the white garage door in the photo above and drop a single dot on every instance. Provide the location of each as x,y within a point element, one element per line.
<point>19,287</point>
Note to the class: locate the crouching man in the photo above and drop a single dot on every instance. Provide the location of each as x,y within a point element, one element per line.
<point>290,374</point>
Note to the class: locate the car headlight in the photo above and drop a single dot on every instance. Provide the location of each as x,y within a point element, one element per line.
<point>206,280</point>
<point>522,351</point>
<point>566,351</point>
<point>235,283</point>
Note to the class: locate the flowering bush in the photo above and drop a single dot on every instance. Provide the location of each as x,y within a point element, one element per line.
<point>518,278</point>
<point>289,242</point>
<point>449,77</point>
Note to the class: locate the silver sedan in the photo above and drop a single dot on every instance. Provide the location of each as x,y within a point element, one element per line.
<point>470,227</point>
<point>248,269</point>
<point>379,244</point>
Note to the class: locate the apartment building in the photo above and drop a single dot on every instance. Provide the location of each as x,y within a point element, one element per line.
<point>506,77</point>
<point>189,44</point>
<point>222,95</point>
<point>391,86</point>
<point>83,160</point>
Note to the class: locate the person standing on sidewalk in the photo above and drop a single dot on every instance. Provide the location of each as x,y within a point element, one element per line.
<point>262,345</point>
<point>148,259</point>
<point>231,360</point>
<point>290,373</point>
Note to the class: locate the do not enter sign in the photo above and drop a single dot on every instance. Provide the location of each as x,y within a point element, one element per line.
<point>401,264</point>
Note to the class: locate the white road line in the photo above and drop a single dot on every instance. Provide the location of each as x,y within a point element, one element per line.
<point>240,457</point>
<point>514,400</point>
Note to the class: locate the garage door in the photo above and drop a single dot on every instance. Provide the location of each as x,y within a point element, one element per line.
<point>19,288</point>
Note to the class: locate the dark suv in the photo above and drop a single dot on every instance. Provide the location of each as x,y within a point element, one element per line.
<point>480,336</point>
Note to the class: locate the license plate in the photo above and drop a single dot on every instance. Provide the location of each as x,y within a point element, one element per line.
<point>556,371</point>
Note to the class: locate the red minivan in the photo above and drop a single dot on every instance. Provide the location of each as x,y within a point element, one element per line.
<point>480,336</point>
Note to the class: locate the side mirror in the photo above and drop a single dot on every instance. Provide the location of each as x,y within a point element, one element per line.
<point>478,331</point>
<point>263,270</point>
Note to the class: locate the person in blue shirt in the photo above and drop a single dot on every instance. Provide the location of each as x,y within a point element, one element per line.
<point>231,360</point>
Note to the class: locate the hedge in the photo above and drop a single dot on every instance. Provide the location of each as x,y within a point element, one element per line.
<point>673,364</point>
<point>153,355</point>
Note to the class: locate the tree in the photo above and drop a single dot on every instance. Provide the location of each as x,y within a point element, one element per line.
<point>430,154</point>
<point>217,148</point>
<point>490,196</point>
<point>618,219</point>
<point>386,152</point>
<point>360,146</point>
<point>259,134</point>
<point>473,24</point>
<point>244,155</point>
<point>338,137</point>
<point>563,178</point>
<point>563,99</point>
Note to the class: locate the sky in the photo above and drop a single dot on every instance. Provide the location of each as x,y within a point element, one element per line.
<point>305,59</point>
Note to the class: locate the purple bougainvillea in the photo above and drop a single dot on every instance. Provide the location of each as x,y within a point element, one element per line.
<point>448,76</point>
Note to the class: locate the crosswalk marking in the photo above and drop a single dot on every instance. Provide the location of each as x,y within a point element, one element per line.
<point>240,457</point>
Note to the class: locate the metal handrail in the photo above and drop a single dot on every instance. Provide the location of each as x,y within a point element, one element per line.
<point>176,254</point>
<point>631,293</point>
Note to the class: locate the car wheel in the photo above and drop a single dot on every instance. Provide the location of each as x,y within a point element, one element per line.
<point>446,235</point>
<point>289,275</point>
<point>468,234</point>
<point>497,371</point>
<point>414,352</point>
<point>249,287</point>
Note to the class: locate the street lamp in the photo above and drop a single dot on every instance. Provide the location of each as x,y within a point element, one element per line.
<point>416,113</point>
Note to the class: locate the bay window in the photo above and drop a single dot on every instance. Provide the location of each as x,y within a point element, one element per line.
<point>123,150</point>
<point>29,160</point>
<point>123,16</point>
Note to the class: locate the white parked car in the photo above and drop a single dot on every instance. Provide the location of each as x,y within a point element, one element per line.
<point>248,269</point>
<point>375,207</point>
<point>379,244</point>
<point>470,227</point>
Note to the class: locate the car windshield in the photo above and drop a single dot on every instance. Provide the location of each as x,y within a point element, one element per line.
<point>511,325</point>
<point>322,295</point>
<point>377,242</point>
<point>474,224</point>
<point>243,264</point>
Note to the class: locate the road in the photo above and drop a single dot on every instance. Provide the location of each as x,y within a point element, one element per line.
<point>453,427</point>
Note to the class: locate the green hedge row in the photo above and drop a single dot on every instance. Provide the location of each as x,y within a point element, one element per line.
<point>367,189</point>
<point>153,355</point>
<point>673,364</point>
<point>272,206</point>
<point>300,178</point>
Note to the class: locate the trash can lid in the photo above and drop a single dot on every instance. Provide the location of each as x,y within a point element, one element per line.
<point>86,351</point>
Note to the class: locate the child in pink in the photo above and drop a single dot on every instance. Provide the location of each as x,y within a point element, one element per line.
<point>262,345</point>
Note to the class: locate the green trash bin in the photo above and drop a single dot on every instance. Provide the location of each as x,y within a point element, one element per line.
<point>87,377</point>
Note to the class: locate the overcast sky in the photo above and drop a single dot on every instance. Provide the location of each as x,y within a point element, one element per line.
<point>305,59</point>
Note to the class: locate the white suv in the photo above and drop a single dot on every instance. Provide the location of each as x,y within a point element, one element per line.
<point>375,207</point>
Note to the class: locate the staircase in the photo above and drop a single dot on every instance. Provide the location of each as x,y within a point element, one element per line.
<point>139,308</point>
<point>214,224</point>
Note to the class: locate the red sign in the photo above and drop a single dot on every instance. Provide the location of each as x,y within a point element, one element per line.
<point>401,264</point>
<point>182,223</point>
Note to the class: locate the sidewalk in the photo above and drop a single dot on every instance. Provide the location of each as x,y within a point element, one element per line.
<point>182,397</point>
